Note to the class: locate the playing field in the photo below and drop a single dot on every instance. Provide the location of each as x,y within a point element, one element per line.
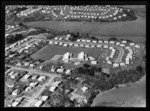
<point>49,52</point>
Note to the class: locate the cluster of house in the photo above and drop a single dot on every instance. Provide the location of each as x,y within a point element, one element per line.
<point>16,102</point>
<point>17,44</point>
<point>82,56</point>
<point>78,95</point>
<point>60,69</point>
<point>94,12</point>
<point>43,98</point>
<point>29,11</point>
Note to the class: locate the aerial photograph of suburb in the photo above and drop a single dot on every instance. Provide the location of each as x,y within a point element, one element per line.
<point>75,56</point>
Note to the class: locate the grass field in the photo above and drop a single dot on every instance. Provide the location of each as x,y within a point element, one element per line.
<point>49,52</point>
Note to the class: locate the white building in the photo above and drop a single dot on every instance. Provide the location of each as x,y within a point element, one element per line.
<point>41,78</point>
<point>105,46</point>
<point>99,45</point>
<point>60,70</point>
<point>87,46</point>
<point>106,41</point>
<point>122,64</point>
<point>122,45</point>
<point>132,44</point>
<point>94,41</point>
<point>38,103</point>
<point>124,41</point>
<point>52,88</point>
<point>81,56</point>
<point>84,89</point>
<point>117,43</point>
<point>68,71</point>
<point>66,56</point>
<point>94,62</point>
<point>115,65</point>
<point>137,46</point>
<point>44,98</point>
<point>91,58</point>
<point>26,76</point>
<point>65,45</point>
<point>78,40</point>
<point>14,104</point>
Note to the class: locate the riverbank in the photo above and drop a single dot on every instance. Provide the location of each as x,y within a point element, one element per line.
<point>123,93</point>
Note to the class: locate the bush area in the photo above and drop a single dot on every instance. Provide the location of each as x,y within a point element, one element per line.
<point>101,81</point>
<point>14,38</point>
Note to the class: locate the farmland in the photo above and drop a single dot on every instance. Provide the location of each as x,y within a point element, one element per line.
<point>49,52</point>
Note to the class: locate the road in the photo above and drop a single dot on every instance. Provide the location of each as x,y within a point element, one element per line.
<point>33,71</point>
<point>38,92</point>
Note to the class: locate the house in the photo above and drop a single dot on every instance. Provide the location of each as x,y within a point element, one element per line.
<point>76,45</point>
<point>83,40</point>
<point>122,45</point>
<point>92,46</point>
<point>106,41</point>
<point>41,78</point>
<point>28,88</point>
<point>50,42</point>
<point>100,41</point>
<point>115,65</point>
<point>122,64</point>
<point>14,104</point>
<point>65,45</point>
<point>105,46</point>
<point>66,56</point>
<point>137,46</point>
<point>88,40</point>
<point>81,45</point>
<point>78,40</point>
<point>84,89</point>
<point>56,38</point>
<point>87,46</point>
<point>61,70</point>
<point>99,45</point>
<point>38,103</point>
<point>53,68</point>
<point>124,41</point>
<point>68,71</point>
<point>94,62</point>
<point>15,92</point>
<point>26,76</point>
<point>34,77</point>
<point>94,41</point>
<point>52,88</point>
<point>44,98</point>
<point>117,43</point>
<point>81,56</point>
<point>33,84</point>
<point>109,62</point>
<point>60,43</point>
<point>91,58</point>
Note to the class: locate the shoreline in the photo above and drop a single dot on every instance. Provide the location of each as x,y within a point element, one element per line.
<point>143,79</point>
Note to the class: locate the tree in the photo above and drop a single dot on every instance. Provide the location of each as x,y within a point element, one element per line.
<point>113,39</point>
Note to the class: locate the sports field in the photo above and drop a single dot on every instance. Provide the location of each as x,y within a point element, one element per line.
<point>48,52</point>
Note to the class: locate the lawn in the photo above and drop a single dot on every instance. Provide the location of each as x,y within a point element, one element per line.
<point>48,52</point>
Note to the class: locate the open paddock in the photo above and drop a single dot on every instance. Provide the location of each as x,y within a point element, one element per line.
<point>48,52</point>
